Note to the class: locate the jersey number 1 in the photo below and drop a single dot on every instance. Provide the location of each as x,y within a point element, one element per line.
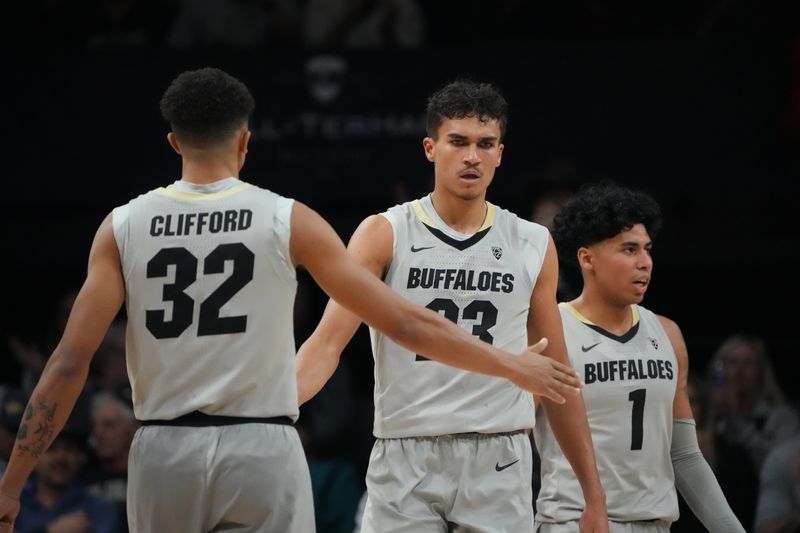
<point>209,321</point>
<point>637,417</point>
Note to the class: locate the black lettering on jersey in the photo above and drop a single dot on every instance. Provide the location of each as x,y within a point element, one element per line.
<point>602,371</point>
<point>439,278</point>
<point>245,219</point>
<point>157,226</point>
<point>484,281</point>
<point>200,223</point>
<point>640,369</point>
<point>215,224</point>
<point>633,368</point>
<point>188,223</point>
<point>508,283</point>
<point>471,281</point>
<point>230,221</point>
<point>459,279</point>
<point>449,276</point>
<point>427,278</point>
<point>661,371</point>
<point>627,370</point>
<point>460,283</point>
<point>413,278</point>
<point>496,276</point>
<point>168,231</point>
<point>589,373</point>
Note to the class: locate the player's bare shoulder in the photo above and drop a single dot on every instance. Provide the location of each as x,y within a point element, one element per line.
<point>675,338</point>
<point>372,244</point>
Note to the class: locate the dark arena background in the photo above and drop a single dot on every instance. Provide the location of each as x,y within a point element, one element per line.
<point>697,103</point>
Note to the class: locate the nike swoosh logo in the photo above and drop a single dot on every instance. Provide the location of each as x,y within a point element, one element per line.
<point>499,468</point>
<point>587,348</point>
<point>414,249</point>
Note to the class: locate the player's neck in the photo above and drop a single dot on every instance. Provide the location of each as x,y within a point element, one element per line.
<point>464,216</point>
<point>205,171</point>
<point>614,318</point>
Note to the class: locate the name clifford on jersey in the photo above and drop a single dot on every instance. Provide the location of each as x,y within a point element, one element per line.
<point>626,369</point>
<point>200,223</point>
<point>459,279</point>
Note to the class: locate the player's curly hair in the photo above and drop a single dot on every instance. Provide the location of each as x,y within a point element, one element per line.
<point>598,212</point>
<point>206,105</point>
<point>466,98</point>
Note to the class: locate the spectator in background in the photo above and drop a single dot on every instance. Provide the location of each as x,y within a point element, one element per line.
<point>731,463</point>
<point>747,403</point>
<point>337,24</point>
<point>55,501</point>
<point>105,24</point>
<point>778,508</point>
<point>12,403</point>
<point>109,371</point>
<point>234,23</point>
<point>113,427</point>
<point>31,355</point>
<point>130,23</point>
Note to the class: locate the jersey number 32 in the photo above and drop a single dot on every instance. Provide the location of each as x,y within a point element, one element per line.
<point>209,321</point>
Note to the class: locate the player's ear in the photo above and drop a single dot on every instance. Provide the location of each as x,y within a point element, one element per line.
<point>244,139</point>
<point>500,148</point>
<point>173,141</point>
<point>428,145</point>
<point>585,259</point>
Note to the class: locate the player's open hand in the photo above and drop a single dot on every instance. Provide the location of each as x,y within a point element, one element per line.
<point>544,376</point>
<point>9,509</point>
<point>594,520</point>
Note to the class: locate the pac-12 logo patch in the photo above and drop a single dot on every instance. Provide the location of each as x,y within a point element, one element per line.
<point>497,252</point>
<point>653,342</point>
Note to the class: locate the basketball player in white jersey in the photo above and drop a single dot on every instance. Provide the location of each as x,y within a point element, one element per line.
<point>452,450</point>
<point>634,365</point>
<point>206,269</point>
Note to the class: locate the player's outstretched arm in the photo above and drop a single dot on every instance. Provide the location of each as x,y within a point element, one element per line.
<point>568,420</point>
<point>64,375</point>
<point>694,479</point>
<point>316,246</point>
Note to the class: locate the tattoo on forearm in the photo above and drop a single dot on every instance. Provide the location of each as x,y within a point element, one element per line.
<point>40,431</point>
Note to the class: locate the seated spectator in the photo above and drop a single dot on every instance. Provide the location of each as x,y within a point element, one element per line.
<point>55,501</point>
<point>748,406</point>
<point>779,499</point>
<point>234,23</point>
<point>109,370</point>
<point>12,404</point>
<point>113,427</point>
<point>338,24</point>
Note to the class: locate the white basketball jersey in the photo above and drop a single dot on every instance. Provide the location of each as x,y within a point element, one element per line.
<point>630,385</point>
<point>209,293</point>
<point>483,282</point>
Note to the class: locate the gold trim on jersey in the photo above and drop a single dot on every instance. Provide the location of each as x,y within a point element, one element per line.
<point>421,214</point>
<point>425,219</point>
<point>191,195</point>
<point>568,306</point>
<point>489,220</point>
